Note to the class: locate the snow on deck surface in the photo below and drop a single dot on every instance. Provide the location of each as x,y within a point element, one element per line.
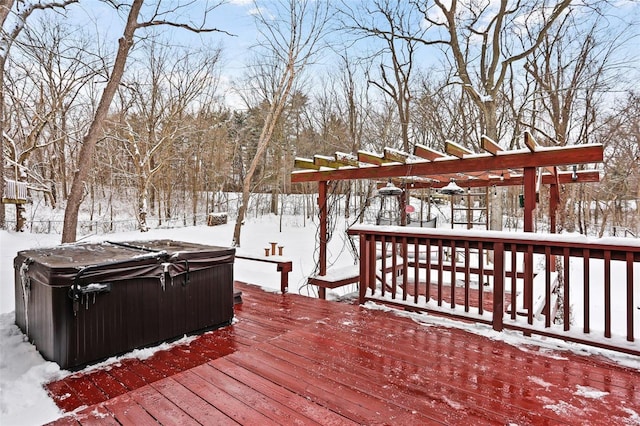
<point>293,359</point>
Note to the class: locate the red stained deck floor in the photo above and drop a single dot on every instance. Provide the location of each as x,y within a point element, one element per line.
<point>290,359</point>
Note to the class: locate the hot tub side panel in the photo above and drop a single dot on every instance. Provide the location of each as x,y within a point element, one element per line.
<point>34,313</point>
<point>210,302</point>
<point>138,313</point>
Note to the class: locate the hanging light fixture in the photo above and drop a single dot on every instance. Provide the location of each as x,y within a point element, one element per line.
<point>452,188</point>
<point>389,190</point>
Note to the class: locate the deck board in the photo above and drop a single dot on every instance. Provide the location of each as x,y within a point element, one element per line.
<point>238,410</point>
<point>199,409</point>
<point>289,359</point>
<point>279,393</point>
<point>162,408</point>
<point>277,411</point>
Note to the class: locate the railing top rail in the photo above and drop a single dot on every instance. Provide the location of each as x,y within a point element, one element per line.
<point>558,240</point>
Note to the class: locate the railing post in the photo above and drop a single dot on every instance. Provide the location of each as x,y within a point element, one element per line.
<point>364,267</point>
<point>498,286</point>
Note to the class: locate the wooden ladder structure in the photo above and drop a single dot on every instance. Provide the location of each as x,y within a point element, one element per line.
<point>469,210</point>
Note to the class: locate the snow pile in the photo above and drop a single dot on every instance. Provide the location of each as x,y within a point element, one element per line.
<point>23,372</point>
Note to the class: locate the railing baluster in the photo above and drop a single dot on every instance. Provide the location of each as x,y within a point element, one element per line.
<point>629,257</point>
<point>467,266</point>
<point>607,293</point>
<point>416,269</point>
<point>481,278</point>
<point>383,264</point>
<point>428,271</point>
<point>394,266</point>
<point>528,283</point>
<point>453,274</point>
<point>514,283</point>
<point>405,267</point>
<point>498,286</point>
<point>567,301</point>
<point>364,260</point>
<point>547,289</point>
<point>586,295</point>
<point>440,269</point>
<point>372,265</point>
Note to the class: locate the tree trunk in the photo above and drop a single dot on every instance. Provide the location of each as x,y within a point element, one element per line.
<point>3,222</point>
<point>143,194</point>
<point>491,130</point>
<point>275,111</point>
<point>85,157</point>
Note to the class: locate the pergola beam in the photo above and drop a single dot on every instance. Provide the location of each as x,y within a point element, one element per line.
<point>326,161</point>
<point>542,157</point>
<point>530,142</point>
<point>583,176</point>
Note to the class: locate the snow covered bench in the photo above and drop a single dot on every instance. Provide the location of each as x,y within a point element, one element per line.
<point>345,275</point>
<point>283,265</point>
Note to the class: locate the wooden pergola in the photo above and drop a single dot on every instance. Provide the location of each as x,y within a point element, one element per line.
<point>530,167</point>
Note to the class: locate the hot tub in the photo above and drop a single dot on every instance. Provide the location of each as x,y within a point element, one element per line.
<point>82,303</point>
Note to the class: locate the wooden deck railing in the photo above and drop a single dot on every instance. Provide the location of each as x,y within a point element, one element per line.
<point>559,286</point>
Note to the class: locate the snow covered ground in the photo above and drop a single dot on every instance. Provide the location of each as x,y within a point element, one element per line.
<point>23,401</point>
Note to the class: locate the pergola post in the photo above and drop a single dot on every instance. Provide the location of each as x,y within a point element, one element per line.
<point>529,206</point>
<point>529,197</point>
<point>322,205</point>
<point>554,200</point>
<point>404,197</point>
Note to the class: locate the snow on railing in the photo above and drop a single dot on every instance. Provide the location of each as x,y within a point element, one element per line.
<point>563,286</point>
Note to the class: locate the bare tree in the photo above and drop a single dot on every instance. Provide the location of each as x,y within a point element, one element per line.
<point>572,70</point>
<point>480,36</point>
<point>397,26</point>
<point>619,193</point>
<point>13,18</point>
<point>158,119</point>
<point>48,72</point>
<point>291,32</point>
<point>341,111</point>
<point>85,157</point>
<point>442,112</point>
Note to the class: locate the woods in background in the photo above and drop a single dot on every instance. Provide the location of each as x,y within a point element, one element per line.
<point>331,77</point>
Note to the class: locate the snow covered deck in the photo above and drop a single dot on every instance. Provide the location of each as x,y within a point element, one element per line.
<point>290,359</point>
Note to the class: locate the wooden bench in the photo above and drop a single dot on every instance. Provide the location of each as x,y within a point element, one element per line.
<point>345,275</point>
<point>335,278</point>
<point>284,266</point>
